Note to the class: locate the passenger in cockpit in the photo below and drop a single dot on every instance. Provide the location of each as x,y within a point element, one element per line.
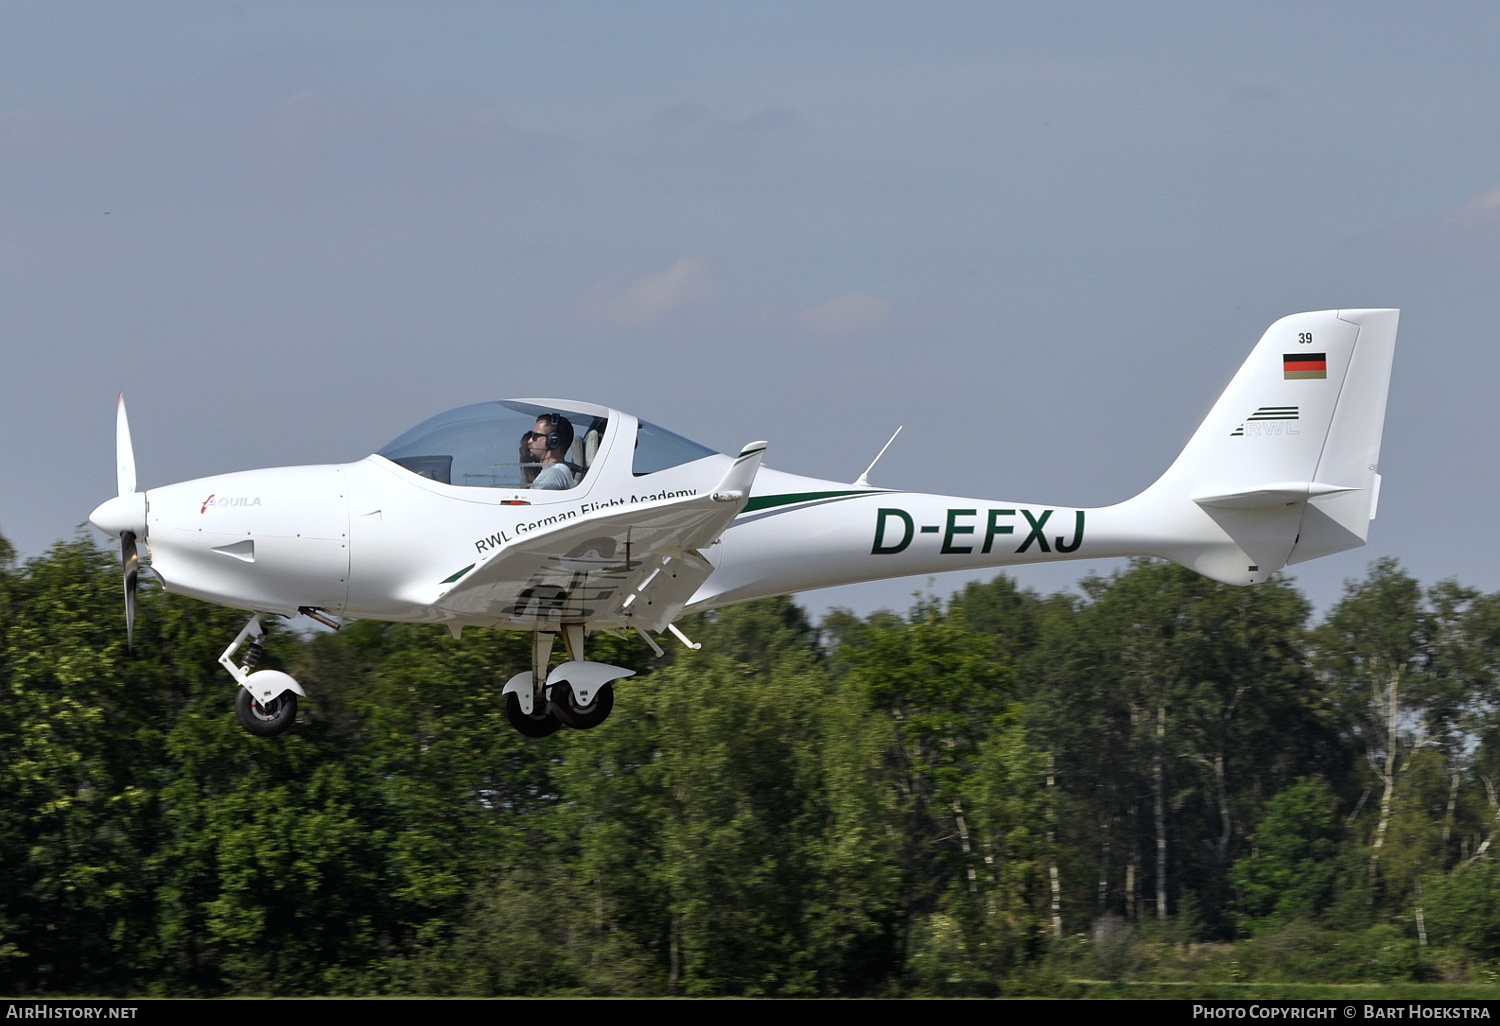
<point>546,449</point>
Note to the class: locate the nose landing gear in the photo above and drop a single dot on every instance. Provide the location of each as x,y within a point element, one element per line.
<point>266,704</point>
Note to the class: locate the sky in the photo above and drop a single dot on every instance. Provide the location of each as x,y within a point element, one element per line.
<point>1040,237</point>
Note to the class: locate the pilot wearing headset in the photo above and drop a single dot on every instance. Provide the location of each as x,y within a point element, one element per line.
<point>546,447</point>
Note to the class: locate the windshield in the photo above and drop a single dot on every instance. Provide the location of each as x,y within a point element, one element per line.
<point>501,445</point>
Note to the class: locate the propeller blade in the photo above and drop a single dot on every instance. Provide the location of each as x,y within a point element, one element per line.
<point>124,452</point>
<point>130,558</point>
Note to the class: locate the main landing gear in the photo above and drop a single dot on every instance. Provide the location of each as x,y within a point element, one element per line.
<point>266,704</point>
<point>578,694</point>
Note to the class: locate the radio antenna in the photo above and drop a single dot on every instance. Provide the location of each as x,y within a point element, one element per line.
<point>863,481</point>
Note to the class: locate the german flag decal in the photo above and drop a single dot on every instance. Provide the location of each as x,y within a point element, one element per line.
<point>1304,365</point>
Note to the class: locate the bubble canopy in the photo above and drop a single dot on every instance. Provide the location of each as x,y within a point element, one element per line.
<point>484,445</point>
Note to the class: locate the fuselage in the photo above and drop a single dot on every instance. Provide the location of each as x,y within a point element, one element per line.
<point>430,528</point>
<point>370,539</point>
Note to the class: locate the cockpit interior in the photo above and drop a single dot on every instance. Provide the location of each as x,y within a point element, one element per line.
<point>490,445</point>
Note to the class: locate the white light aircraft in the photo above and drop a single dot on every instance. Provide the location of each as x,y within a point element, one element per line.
<point>562,518</point>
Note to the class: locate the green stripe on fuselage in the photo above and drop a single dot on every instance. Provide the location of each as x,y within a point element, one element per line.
<point>761,502</point>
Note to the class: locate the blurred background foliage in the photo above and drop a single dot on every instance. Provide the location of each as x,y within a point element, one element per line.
<point>1156,778</point>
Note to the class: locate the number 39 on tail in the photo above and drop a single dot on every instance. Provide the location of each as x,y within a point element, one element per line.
<point>562,518</point>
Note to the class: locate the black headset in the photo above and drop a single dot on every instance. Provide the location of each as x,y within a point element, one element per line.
<point>561,435</point>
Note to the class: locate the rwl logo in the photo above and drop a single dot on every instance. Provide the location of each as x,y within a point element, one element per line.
<point>1268,420</point>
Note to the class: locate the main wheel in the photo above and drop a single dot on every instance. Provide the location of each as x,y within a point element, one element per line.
<point>268,719</point>
<point>582,717</point>
<point>533,725</point>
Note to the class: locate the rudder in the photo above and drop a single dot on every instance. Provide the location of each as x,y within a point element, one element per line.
<point>1351,456</point>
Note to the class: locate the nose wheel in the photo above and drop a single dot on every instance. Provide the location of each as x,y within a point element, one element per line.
<point>265,719</point>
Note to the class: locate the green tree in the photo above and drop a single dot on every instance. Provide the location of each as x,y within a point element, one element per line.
<point>721,834</point>
<point>698,811</point>
<point>1292,866</point>
<point>1172,705</point>
<point>1463,908</point>
<point>78,735</point>
<point>85,738</point>
<point>1370,648</point>
<point>1408,669</point>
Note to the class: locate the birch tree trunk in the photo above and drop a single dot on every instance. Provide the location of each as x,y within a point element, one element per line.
<point>1052,876</point>
<point>1448,813</point>
<point>1386,769</point>
<point>1160,798</point>
<point>1489,789</point>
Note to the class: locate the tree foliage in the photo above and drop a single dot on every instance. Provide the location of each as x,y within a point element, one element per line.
<point>950,801</point>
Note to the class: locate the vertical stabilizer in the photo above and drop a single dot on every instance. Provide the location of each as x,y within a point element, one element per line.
<point>1285,466</point>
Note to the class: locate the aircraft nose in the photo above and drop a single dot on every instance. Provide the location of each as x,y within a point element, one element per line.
<point>121,514</point>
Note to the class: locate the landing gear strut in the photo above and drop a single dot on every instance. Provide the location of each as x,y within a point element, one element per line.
<point>266,704</point>
<point>578,694</point>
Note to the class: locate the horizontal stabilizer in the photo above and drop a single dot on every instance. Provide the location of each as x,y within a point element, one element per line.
<point>1271,495</point>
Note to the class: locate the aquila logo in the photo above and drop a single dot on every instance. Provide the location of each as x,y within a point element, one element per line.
<point>228,500</point>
